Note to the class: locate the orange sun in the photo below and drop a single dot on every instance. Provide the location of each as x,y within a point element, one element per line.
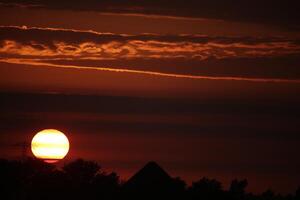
<point>50,145</point>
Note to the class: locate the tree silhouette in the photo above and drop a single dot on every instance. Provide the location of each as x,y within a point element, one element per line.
<point>297,195</point>
<point>82,171</point>
<point>33,179</point>
<point>80,175</point>
<point>237,189</point>
<point>179,185</point>
<point>206,189</point>
<point>106,186</point>
<point>17,176</point>
<point>268,195</point>
<point>51,185</point>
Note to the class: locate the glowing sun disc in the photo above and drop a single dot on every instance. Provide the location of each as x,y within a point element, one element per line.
<point>50,145</point>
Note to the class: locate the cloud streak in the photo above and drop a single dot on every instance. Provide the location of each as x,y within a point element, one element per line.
<point>177,56</point>
<point>153,73</point>
<point>274,12</point>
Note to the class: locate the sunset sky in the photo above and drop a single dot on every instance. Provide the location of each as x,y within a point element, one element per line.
<point>203,87</point>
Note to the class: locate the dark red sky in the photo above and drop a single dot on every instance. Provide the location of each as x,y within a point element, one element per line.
<point>205,88</point>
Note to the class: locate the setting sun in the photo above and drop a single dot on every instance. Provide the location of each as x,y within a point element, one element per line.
<point>50,145</point>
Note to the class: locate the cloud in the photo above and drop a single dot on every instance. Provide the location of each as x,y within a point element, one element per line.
<point>151,73</point>
<point>49,42</point>
<point>271,59</point>
<point>274,12</point>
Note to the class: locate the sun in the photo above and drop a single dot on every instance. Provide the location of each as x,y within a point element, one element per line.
<point>50,145</point>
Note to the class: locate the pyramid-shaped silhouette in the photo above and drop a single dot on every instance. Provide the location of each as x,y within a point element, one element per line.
<point>151,178</point>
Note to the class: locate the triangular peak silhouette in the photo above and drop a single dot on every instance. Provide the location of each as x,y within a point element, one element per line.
<point>150,173</point>
<point>151,178</point>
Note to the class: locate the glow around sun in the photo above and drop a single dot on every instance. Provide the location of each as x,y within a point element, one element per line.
<point>50,145</point>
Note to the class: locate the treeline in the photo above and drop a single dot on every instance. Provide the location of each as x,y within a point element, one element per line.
<point>34,179</point>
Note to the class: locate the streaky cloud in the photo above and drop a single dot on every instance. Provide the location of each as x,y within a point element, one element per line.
<point>26,42</point>
<point>153,73</point>
<point>270,12</point>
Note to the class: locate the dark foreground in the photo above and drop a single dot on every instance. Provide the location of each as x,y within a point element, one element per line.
<point>34,179</point>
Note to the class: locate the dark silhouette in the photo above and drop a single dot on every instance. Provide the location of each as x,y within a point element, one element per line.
<point>298,193</point>
<point>34,179</point>
<point>153,182</point>
<point>206,189</point>
<point>237,189</point>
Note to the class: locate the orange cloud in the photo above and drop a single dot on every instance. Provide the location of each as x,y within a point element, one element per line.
<point>181,56</point>
<point>69,42</point>
<point>146,49</point>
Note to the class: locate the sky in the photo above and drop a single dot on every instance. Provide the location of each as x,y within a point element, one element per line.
<point>204,87</point>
